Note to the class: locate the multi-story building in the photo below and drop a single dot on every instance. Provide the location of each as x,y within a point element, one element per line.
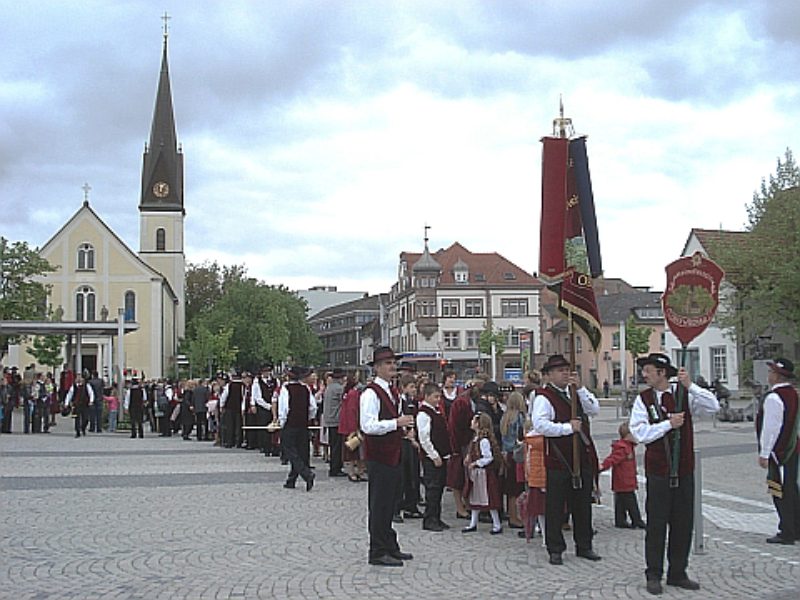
<point>441,303</point>
<point>341,328</point>
<point>617,301</point>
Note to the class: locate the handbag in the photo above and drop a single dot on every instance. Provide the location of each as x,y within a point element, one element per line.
<point>353,441</point>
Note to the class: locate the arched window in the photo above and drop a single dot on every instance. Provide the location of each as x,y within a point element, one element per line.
<point>86,256</point>
<point>84,304</point>
<point>130,306</point>
<point>161,239</point>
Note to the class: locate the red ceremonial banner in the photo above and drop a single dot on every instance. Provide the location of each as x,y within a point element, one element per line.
<point>692,295</point>
<point>576,296</point>
<point>555,157</point>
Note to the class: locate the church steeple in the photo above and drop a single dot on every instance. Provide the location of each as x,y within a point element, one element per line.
<point>162,169</point>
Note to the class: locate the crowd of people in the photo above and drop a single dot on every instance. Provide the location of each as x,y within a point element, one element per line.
<point>517,458</point>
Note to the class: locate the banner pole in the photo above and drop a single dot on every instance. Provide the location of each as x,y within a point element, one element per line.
<point>577,482</point>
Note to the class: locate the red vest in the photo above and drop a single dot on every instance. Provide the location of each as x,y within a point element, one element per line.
<point>656,461</point>
<point>563,444</point>
<point>298,405</point>
<point>440,438</point>
<point>786,444</point>
<point>384,448</point>
<point>80,397</point>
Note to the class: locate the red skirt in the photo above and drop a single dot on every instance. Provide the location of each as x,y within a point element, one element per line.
<point>512,487</point>
<point>455,473</point>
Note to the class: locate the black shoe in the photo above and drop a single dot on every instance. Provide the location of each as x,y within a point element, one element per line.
<point>77,435</point>
<point>685,583</point>
<point>779,539</point>
<point>310,482</point>
<point>337,474</point>
<point>412,514</point>
<point>397,519</point>
<point>289,485</point>
<point>640,525</point>
<point>555,558</point>
<point>521,534</point>
<point>496,531</point>
<point>588,554</point>
<point>654,587</point>
<point>622,526</point>
<point>401,555</point>
<point>433,527</point>
<point>513,526</point>
<point>460,516</point>
<point>443,525</point>
<point>471,529</point>
<point>386,561</point>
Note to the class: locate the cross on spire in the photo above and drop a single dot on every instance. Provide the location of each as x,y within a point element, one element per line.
<point>165,17</point>
<point>86,189</point>
<point>426,234</point>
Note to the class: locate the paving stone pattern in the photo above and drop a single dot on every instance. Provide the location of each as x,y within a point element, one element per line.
<point>110,517</point>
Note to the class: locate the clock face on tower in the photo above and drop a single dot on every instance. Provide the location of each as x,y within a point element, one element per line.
<point>160,189</point>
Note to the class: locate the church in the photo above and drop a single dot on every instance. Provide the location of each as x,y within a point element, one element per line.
<point>98,277</point>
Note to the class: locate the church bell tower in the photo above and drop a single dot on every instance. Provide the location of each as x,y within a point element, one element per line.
<point>161,207</point>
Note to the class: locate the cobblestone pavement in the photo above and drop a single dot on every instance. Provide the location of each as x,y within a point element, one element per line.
<point>110,517</point>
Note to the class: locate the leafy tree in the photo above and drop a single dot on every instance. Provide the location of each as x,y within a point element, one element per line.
<point>209,349</point>
<point>205,284</point>
<point>488,336</point>
<point>637,341</point>
<point>762,265</point>
<point>787,175</point>
<point>21,298</point>
<point>46,349</point>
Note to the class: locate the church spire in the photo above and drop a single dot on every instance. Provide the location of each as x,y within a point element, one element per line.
<point>162,169</point>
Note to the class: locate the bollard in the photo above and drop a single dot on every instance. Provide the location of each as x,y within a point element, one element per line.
<point>699,541</point>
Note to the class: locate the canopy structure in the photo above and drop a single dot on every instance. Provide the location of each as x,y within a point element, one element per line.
<point>79,329</point>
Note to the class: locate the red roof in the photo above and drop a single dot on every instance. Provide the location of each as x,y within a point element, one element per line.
<point>495,269</point>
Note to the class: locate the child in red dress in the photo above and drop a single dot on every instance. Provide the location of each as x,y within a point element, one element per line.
<point>483,485</point>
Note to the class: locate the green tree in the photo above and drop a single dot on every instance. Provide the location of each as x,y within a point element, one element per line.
<point>21,298</point>
<point>787,175</point>
<point>205,284</point>
<point>762,265</point>
<point>637,341</point>
<point>489,335</point>
<point>209,349</point>
<point>46,349</point>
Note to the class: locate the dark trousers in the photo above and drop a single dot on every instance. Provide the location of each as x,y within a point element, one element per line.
<point>433,478</point>
<point>335,445</point>
<point>382,489</point>
<point>201,422</point>
<point>789,506</point>
<point>8,409</point>
<point>261,439</point>
<point>673,508</point>
<point>137,416</point>
<point>164,425</point>
<point>27,414</point>
<point>231,428</point>
<point>295,444</point>
<point>81,419</point>
<point>408,498</point>
<point>625,505</point>
<point>38,411</point>
<point>249,434</point>
<point>560,493</point>
<point>96,416</point>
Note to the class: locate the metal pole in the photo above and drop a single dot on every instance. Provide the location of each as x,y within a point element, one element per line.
<point>120,355</point>
<point>494,360</point>
<point>623,365</point>
<point>699,542</point>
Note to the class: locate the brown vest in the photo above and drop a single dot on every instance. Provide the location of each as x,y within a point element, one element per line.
<point>384,448</point>
<point>440,438</point>
<point>788,442</point>
<point>298,405</point>
<point>656,461</point>
<point>563,444</point>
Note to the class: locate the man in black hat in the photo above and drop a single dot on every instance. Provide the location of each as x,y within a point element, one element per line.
<point>778,425</point>
<point>661,418</point>
<point>382,422</point>
<point>263,388</point>
<point>552,417</point>
<point>296,406</point>
<point>232,403</point>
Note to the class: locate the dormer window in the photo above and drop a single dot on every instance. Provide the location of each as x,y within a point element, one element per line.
<point>509,276</point>
<point>461,276</point>
<point>86,257</point>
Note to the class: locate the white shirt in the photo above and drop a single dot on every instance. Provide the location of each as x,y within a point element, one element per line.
<point>773,420</point>
<point>370,406</point>
<point>424,431</point>
<point>543,413</point>
<point>701,401</point>
<point>256,397</point>
<point>68,399</point>
<point>486,453</point>
<point>127,402</point>
<point>283,402</point>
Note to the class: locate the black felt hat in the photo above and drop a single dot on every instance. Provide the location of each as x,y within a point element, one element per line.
<point>658,360</point>
<point>783,366</point>
<point>382,353</point>
<point>555,361</point>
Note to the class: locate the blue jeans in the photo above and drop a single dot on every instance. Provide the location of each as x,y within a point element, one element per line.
<point>112,420</point>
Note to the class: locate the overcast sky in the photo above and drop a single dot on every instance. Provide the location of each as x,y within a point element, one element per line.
<point>320,137</point>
